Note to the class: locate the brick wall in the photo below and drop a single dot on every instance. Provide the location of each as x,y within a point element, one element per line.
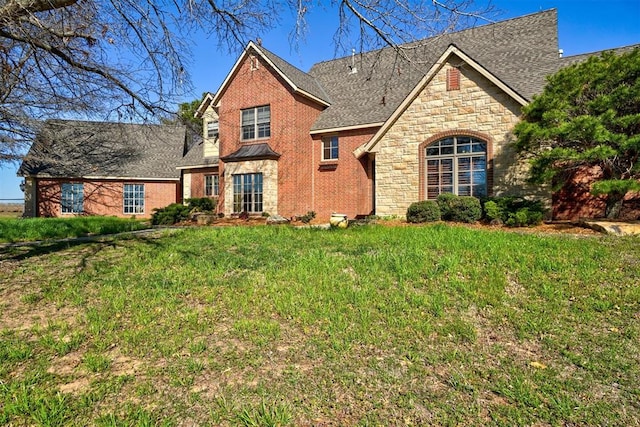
<point>291,118</point>
<point>343,186</point>
<point>478,107</point>
<point>196,177</point>
<point>105,197</point>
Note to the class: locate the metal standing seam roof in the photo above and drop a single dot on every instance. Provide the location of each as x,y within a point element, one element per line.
<point>251,152</point>
<point>77,149</point>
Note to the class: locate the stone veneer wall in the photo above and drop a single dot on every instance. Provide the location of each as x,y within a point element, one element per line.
<point>478,106</point>
<point>269,170</point>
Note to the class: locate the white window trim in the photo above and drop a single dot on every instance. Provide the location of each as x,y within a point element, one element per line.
<point>329,140</point>
<point>124,198</point>
<point>255,124</point>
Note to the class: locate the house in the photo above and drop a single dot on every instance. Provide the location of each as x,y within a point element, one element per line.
<point>98,168</point>
<point>373,132</point>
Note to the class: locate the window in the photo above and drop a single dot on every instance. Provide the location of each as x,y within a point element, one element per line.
<point>256,123</point>
<point>133,198</point>
<point>247,193</point>
<point>211,185</point>
<point>330,148</point>
<point>456,165</point>
<point>212,129</point>
<point>72,198</point>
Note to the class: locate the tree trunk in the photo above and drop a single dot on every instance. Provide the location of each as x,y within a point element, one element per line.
<point>614,205</point>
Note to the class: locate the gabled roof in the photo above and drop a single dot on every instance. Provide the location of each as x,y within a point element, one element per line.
<point>103,150</point>
<point>519,52</point>
<point>452,54</point>
<point>194,156</point>
<point>206,101</point>
<point>297,80</point>
<point>251,152</point>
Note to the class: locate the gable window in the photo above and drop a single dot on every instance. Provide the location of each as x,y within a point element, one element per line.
<point>456,165</point>
<point>256,123</point>
<point>133,198</point>
<point>72,198</point>
<point>247,193</point>
<point>330,148</point>
<point>212,129</point>
<point>211,185</point>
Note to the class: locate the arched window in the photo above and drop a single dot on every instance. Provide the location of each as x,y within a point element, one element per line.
<point>456,164</point>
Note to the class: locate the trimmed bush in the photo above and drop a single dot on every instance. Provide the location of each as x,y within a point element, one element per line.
<point>514,211</point>
<point>459,208</point>
<point>445,201</point>
<point>171,214</point>
<point>465,209</point>
<point>424,211</point>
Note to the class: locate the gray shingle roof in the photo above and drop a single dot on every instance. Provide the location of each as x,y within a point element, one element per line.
<point>69,148</point>
<point>251,152</point>
<point>521,52</point>
<point>194,155</point>
<point>299,78</point>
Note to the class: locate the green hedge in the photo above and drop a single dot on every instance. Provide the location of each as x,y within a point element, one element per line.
<point>424,211</point>
<point>513,211</point>
<point>459,208</point>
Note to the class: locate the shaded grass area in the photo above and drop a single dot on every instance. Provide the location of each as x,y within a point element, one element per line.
<point>434,325</point>
<point>33,229</point>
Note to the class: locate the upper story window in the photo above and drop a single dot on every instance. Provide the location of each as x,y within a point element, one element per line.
<point>456,165</point>
<point>72,198</point>
<point>256,123</point>
<point>330,148</point>
<point>212,129</point>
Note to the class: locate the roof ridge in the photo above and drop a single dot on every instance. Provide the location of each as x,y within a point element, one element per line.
<point>437,36</point>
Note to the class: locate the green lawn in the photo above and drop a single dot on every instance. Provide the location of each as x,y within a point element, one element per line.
<point>34,229</point>
<point>373,325</point>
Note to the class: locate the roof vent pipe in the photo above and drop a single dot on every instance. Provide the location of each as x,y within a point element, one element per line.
<point>352,67</point>
<point>560,53</point>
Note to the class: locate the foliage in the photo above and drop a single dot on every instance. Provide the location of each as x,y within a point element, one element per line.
<point>315,326</point>
<point>588,115</point>
<point>459,208</point>
<point>172,214</point>
<point>32,229</point>
<point>445,201</point>
<point>202,204</point>
<point>308,217</point>
<point>513,211</point>
<point>423,211</point>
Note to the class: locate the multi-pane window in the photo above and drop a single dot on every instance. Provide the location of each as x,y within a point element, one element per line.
<point>212,129</point>
<point>256,123</point>
<point>211,185</point>
<point>247,193</point>
<point>330,148</point>
<point>72,198</point>
<point>133,198</point>
<point>456,165</point>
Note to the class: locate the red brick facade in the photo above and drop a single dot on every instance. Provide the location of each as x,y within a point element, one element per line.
<point>305,182</point>
<point>104,197</point>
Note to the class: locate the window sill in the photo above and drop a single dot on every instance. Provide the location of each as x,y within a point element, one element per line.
<point>328,164</point>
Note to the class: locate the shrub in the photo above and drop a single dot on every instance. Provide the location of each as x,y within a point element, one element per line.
<point>201,204</point>
<point>306,218</point>
<point>445,201</point>
<point>492,211</point>
<point>465,209</point>
<point>514,211</point>
<point>424,211</point>
<point>171,214</point>
<point>459,208</point>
